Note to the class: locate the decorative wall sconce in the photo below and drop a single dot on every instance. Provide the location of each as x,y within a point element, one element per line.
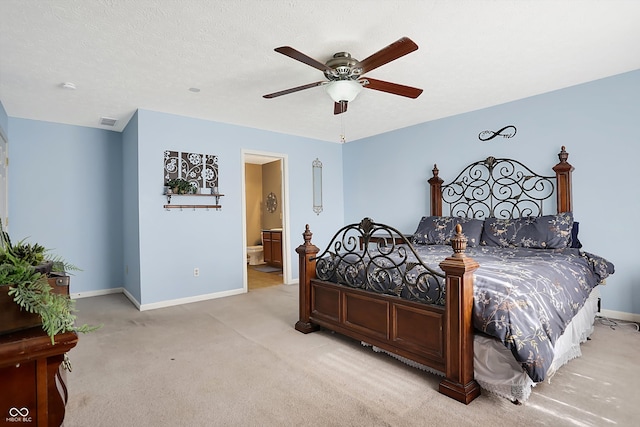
<point>316,168</point>
<point>272,202</point>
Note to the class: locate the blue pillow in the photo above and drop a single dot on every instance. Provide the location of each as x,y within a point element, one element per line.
<point>575,243</point>
<point>438,230</point>
<point>538,232</point>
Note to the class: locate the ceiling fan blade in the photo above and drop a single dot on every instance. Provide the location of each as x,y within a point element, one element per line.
<point>394,88</point>
<point>293,89</point>
<point>392,52</point>
<point>299,56</point>
<point>340,107</point>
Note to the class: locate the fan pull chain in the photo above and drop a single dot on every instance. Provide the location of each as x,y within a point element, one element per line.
<point>343,138</point>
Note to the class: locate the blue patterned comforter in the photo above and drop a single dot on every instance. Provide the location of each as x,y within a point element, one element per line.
<point>524,297</point>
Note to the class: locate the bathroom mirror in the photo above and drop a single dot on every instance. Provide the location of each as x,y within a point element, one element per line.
<point>317,186</point>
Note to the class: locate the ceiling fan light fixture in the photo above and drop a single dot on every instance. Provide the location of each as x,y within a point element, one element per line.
<point>343,90</point>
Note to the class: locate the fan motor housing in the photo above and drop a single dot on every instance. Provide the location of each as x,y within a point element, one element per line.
<point>342,67</point>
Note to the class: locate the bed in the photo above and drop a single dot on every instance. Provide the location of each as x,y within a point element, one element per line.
<point>495,294</point>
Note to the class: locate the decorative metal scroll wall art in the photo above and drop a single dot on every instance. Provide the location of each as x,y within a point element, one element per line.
<point>316,168</point>
<point>505,132</point>
<point>501,188</point>
<point>201,170</point>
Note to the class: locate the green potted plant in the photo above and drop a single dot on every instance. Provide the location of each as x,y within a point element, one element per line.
<point>29,295</point>
<point>180,186</point>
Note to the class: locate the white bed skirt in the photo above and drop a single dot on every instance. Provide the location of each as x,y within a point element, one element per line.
<point>497,371</point>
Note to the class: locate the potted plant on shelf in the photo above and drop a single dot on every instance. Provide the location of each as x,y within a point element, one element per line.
<point>34,290</point>
<point>180,186</point>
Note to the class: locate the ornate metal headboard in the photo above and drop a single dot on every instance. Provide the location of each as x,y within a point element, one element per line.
<point>502,188</point>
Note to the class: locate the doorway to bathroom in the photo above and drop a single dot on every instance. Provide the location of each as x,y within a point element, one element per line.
<point>265,231</point>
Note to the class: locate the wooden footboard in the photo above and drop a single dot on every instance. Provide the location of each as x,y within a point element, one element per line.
<point>436,336</point>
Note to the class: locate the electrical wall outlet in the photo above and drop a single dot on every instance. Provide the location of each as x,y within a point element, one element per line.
<point>196,272</point>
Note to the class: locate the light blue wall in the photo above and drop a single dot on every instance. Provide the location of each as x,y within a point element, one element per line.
<point>385,176</point>
<point>130,208</point>
<point>65,192</point>
<point>173,243</point>
<point>95,196</point>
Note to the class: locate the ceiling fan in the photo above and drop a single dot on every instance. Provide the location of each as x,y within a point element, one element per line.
<point>345,74</point>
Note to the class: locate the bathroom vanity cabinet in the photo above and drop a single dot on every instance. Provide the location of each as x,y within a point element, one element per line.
<point>272,246</point>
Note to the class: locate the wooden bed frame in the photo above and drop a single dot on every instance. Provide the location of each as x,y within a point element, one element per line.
<point>439,337</point>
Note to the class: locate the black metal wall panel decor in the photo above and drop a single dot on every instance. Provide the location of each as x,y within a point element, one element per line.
<point>505,132</point>
<point>201,170</point>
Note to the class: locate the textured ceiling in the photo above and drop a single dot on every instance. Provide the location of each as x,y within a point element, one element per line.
<point>123,55</point>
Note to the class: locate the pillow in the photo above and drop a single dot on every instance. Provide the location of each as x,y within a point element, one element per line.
<point>575,243</point>
<point>538,232</point>
<point>438,230</point>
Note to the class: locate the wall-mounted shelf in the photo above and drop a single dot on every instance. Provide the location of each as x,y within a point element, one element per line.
<point>217,206</point>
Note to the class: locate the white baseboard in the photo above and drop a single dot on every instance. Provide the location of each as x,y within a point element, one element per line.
<point>180,301</point>
<point>131,298</point>
<point>620,315</point>
<point>611,314</point>
<point>88,294</point>
<point>155,305</point>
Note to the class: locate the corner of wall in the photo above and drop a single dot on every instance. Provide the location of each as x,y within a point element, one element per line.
<point>4,122</point>
<point>131,212</point>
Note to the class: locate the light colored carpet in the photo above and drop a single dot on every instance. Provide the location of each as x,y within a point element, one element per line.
<point>238,361</point>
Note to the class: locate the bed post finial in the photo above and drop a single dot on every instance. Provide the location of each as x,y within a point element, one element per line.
<point>459,242</point>
<point>307,235</point>
<point>563,155</point>
<point>436,192</point>
<point>307,271</point>
<point>563,178</point>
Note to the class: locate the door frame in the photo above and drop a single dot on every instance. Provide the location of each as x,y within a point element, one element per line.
<point>286,244</point>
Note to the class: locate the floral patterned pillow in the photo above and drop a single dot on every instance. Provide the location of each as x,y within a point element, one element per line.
<point>539,232</point>
<point>438,230</point>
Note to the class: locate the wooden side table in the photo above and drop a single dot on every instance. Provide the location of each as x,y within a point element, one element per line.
<point>33,390</point>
